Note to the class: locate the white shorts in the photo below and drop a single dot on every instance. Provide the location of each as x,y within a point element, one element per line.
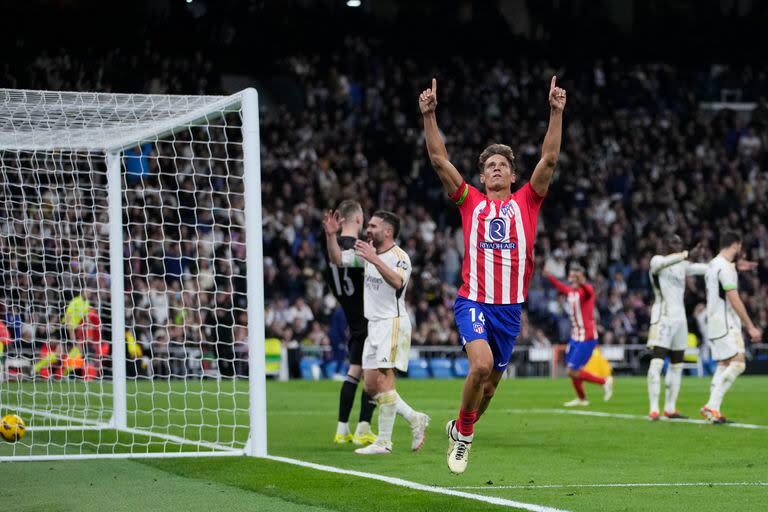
<point>727,346</point>
<point>669,334</point>
<point>388,344</point>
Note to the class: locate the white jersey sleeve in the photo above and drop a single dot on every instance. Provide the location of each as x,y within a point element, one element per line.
<point>659,263</point>
<point>696,269</point>
<point>403,266</point>
<point>350,259</point>
<point>382,301</point>
<point>728,278</point>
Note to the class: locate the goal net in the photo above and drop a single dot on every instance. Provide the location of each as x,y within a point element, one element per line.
<point>126,223</point>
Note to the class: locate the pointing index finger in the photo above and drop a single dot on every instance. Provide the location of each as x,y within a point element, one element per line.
<point>434,85</point>
<point>553,84</point>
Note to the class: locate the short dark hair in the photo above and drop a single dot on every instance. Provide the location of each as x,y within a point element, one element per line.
<point>728,238</point>
<point>348,208</point>
<point>576,267</point>
<point>497,149</point>
<point>390,218</point>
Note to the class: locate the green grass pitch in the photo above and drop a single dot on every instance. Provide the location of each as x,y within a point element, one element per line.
<point>524,450</point>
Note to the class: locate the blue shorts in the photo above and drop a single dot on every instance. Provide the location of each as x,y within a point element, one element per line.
<point>498,324</point>
<point>579,353</point>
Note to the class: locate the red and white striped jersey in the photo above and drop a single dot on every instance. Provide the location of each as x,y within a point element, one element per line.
<point>581,309</point>
<point>498,244</point>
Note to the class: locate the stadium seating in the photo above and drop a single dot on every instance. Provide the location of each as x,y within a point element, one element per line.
<point>441,368</point>
<point>418,368</point>
<point>461,367</point>
<point>311,368</point>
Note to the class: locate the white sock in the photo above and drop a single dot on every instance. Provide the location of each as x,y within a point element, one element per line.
<point>654,382</point>
<point>717,379</point>
<point>405,410</point>
<point>363,428</point>
<point>342,428</point>
<point>387,402</point>
<point>729,375</point>
<point>673,381</point>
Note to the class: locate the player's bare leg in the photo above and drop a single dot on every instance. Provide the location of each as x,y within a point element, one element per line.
<point>461,432</point>
<point>488,391</point>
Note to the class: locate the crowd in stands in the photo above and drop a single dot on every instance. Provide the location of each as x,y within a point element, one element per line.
<point>640,158</point>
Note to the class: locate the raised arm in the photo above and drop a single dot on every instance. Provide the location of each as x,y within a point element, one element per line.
<point>438,155</point>
<point>561,287</point>
<point>550,149</point>
<point>659,263</point>
<point>696,269</point>
<point>331,226</point>
<point>586,291</point>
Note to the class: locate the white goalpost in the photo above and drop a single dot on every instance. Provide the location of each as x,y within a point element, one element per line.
<point>131,275</point>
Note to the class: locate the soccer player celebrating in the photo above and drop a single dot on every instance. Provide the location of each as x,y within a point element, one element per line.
<point>499,231</point>
<point>387,270</point>
<point>581,310</point>
<point>668,334</point>
<point>726,314</point>
<point>346,284</point>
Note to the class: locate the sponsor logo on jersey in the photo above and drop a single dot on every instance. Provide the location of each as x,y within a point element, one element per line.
<point>497,231</point>
<point>478,327</point>
<point>402,264</point>
<point>497,245</point>
<point>373,282</point>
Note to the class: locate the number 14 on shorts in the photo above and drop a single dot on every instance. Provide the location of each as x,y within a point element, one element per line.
<point>475,316</point>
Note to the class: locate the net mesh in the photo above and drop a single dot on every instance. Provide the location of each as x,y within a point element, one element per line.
<point>184,276</point>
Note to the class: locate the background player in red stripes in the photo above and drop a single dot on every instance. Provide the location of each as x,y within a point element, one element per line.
<point>581,310</point>
<point>499,231</point>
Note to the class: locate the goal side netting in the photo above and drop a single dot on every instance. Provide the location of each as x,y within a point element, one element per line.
<point>131,300</point>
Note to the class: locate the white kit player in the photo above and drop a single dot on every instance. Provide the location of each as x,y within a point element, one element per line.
<point>726,314</point>
<point>668,334</point>
<point>387,271</point>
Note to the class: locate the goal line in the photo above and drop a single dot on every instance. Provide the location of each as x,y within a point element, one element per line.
<point>86,424</point>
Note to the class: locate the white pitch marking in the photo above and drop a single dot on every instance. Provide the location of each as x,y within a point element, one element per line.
<point>94,425</point>
<point>417,486</point>
<point>661,484</point>
<point>552,411</point>
<point>622,416</point>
